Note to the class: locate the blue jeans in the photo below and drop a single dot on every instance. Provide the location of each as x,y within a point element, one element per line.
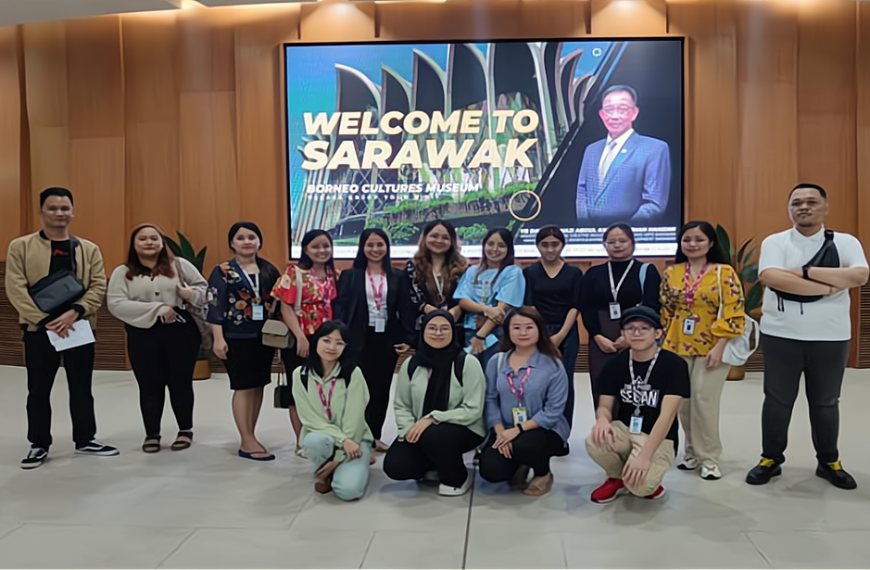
<point>350,479</point>
<point>569,348</point>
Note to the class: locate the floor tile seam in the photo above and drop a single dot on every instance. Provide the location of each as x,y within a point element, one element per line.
<point>177,548</point>
<point>365,555</point>
<point>748,537</point>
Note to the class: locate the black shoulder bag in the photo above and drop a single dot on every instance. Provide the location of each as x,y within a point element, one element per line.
<point>827,256</point>
<point>59,290</point>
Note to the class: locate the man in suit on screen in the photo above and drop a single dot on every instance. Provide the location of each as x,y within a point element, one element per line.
<point>627,176</point>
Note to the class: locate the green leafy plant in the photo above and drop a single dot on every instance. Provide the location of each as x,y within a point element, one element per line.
<point>184,249</point>
<point>744,262</point>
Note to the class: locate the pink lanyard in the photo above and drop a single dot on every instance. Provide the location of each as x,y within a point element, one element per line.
<point>522,390</point>
<point>327,403</point>
<point>691,289</point>
<point>377,294</point>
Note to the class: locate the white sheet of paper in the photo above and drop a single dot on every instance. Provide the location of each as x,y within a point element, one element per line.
<point>80,335</point>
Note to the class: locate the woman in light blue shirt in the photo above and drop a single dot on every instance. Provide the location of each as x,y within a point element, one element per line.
<point>487,291</point>
<point>526,393</point>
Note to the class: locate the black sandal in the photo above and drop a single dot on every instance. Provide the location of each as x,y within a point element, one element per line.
<point>152,444</point>
<point>182,444</point>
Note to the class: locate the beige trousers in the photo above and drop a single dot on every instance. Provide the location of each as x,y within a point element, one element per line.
<point>699,414</point>
<point>612,457</point>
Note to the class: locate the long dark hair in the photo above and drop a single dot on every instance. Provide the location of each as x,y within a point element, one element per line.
<point>716,254</point>
<point>361,261</point>
<point>454,262</point>
<point>545,345</point>
<point>346,360</point>
<point>135,268</point>
<point>305,261</point>
<point>508,239</point>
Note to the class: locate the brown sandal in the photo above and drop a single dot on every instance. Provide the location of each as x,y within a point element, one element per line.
<point>540,486</point>
<point>183,441</point>
<point>324,486</point>
<point>151,445</point>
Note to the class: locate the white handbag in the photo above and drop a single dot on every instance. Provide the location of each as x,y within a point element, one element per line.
<point>739,349</point>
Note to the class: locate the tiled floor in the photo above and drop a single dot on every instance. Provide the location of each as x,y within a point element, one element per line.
<point>206,508</point>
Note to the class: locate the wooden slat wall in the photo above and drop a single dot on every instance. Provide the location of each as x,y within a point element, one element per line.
<point>176,117</point>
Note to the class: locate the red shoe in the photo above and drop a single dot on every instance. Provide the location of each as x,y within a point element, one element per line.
<point>609,491</point>
<point>658,494</point>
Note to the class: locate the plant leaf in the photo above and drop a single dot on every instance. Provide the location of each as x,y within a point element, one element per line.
<point>173,247</point>
<point>187,250</point>
<point>750,255</point>
<point>200,259</point>
<point>742,252</point>
<point>753,298</point>
<point>749,274</point>
<point>724,241</point>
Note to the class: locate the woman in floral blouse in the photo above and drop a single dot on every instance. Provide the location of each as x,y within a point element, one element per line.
<point>692,291</point>
<point>317,275</point>
<point>435,270</point>
<point>238,291</point>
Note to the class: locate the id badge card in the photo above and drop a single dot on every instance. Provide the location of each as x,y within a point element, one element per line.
<point>636,425</point>
<point>380,325</point>
<point>689,326</point>
<point>615,312</point>
<point>257,312</point>
<point>520,416</point>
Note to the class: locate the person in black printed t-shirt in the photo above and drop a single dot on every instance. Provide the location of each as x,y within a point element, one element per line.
<point>637,447</point>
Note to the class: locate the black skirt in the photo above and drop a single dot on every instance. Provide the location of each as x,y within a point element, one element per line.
<point>249,363</point>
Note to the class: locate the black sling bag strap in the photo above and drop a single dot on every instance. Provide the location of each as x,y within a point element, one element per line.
<point>59,290</point>
<point>827,256</point>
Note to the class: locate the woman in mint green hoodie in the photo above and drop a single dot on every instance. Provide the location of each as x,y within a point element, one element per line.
<point>331,397</point>
<point>439,400</point>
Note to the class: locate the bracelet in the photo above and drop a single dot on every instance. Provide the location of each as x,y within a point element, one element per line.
<point>478,337</point>
<point>520,427</point>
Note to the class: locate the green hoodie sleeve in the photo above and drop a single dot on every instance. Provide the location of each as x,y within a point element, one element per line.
<point>353,420</point>
<point>403,405</point>
<point>473,395</point>
<point>311,410</point>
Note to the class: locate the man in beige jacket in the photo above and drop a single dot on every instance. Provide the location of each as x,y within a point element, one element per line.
<point>30,259</point>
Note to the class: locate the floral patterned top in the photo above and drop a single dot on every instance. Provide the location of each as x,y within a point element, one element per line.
<point>231,298</point>
<point>318,295</point>
<point>709,328</point>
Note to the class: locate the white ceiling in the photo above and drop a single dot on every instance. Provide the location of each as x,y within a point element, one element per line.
<point>27,11</point>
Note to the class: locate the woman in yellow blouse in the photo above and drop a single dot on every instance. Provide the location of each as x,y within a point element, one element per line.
<point>691,298</point>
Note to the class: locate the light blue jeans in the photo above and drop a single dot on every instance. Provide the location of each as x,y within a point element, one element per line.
<point>350,479</point>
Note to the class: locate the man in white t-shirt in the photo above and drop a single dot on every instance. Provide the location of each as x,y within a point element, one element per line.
<point>805,330</point>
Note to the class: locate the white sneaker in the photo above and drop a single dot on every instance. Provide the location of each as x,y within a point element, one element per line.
<point>431,476</point>
<point>446,491</point>
<point>710,472</point>
<point>300,452</point>
<point>688,464</point>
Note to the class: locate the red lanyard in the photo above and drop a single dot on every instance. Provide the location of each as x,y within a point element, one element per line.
<point>691,289</point>
<point>522,389</point>
<point>327,403</point>
<point>377,294</point>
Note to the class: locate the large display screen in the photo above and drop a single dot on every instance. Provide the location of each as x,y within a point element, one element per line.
<point>516,134</point>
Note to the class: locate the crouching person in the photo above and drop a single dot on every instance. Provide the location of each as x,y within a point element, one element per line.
<point>639,445</point>
<point>331,397</point>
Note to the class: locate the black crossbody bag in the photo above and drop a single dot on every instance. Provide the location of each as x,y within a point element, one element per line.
<point>827,256</point>
<point>58,290</point>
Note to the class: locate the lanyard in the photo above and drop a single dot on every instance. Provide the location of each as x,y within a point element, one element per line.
<point>635,390</point>
<point>327,403</point>
<point>614,289</point>
<point>377,294</point>
<point>691,288</point>
<point>522,388</point>
<point>255,285</point>
<point>439,284</point>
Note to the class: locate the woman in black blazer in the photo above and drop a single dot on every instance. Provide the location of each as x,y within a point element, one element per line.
<point>374,301</point>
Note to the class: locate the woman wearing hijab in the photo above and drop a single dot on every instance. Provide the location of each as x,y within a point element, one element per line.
<point>440,392</point>
<point>238,292</point>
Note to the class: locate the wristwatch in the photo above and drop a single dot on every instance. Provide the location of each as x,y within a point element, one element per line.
<point>806,272</point>
<point>520,427</point>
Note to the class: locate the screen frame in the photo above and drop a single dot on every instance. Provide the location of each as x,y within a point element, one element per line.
<point>283,48</point>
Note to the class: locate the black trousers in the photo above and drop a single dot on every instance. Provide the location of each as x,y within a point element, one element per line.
<point>377,361</point>
<point>164,356</point>
<point>822,364</point>
<point>42,363</point>
<point>439,448</point>
<point>533,448</point>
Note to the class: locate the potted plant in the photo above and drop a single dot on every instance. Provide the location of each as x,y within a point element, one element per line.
<point>744,262</point>
<point>184,249</point>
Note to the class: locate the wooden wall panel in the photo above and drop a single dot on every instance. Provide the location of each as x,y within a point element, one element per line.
<point>633,18</point>
<point>712,127</point>
<point>337,21</point>
<point>456,20</point>
<point>45,61</point>
<point>862,171</point>
<point>11,112</point>
<point>151,120</point>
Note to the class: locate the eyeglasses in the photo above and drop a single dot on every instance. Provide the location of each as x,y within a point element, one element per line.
<point>619,110</point>
<point>639,330</point>
<point>438,329</point>
<point>611,243</point>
